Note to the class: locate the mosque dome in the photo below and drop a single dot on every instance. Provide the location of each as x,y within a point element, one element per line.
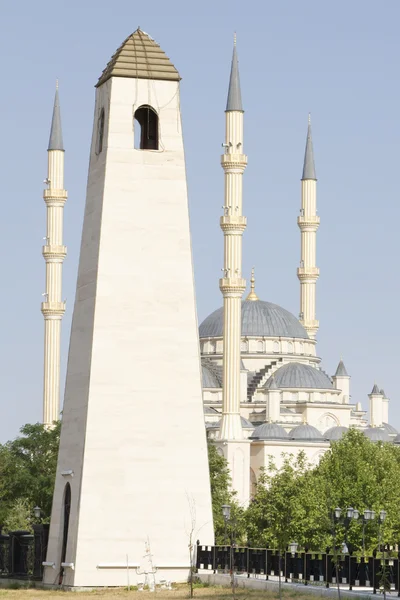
<point>269,431</point>
<point>209,378</point>
<point>335,433</point>
<point>390,429</point>
<point>245,424</point>
<point>298,375</point>
<point>377,434</point>
<point>305,432</point>
<point>259,319</point>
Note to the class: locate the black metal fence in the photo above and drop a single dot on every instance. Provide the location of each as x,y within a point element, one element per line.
<point>303,567</point>
<point>23,552</point>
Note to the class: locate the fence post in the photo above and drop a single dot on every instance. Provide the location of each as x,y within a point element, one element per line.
<point>266,564</point>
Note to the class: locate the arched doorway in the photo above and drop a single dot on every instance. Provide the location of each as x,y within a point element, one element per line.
<point>67,510</point>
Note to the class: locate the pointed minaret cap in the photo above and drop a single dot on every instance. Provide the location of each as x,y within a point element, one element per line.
<point>252,294</point>
<point>375,391</point>
<point>341,370</point>
<point>309,165</point>
<point>56,141</point>
<point>383,393</point>
<point>234,101</point>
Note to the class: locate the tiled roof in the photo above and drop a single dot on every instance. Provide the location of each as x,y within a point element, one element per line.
<point>139,57</point>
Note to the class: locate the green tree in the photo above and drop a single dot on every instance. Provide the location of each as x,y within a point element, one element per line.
<point>286,507</point>
<point>362,474</point>
<point>19,516</point>
<point>27,471</point>
<point>221,493</point>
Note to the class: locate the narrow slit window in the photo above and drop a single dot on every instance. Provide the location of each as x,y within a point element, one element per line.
<point>100,132</point>
<point>146,128</point>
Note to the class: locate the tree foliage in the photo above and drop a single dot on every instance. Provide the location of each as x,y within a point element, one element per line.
<point>296,501</point>
<point>221,493</point>
<point>27,473</point>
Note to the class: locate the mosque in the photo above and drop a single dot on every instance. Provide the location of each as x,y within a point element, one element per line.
<point>286,401</point>
<point>263,388</point>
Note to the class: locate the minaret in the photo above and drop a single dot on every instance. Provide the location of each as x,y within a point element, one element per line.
<point>308,221</point>
<point>232,285</point>
<point>54,253</point>
<point>234,447</point>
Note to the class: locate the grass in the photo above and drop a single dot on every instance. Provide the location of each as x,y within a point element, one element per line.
<point>179,592</point>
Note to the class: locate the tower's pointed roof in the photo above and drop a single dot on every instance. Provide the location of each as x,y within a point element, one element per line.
<point>375,390</point>
<point>139,57</point>
<point>234,101</point>
<point>309,165</point>
<point>56,140</point>
<point>341,370</point>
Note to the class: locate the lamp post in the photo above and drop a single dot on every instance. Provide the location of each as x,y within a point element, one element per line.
<point>37,511</point>
<point>381,520</point>
<point>346,517</point>
<point>369,515</point>
<point>226,513</point>
<point>293,546</point>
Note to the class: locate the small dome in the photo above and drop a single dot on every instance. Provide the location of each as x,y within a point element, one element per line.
<point>269,431</point>
<point>209,410</point>
<point>377,434</point>
<point>245,424</point>
<point>259,319</point>
<point>390,429</point>
<point>335,433</point>
<point>305,432</point>
<point>298,375</point>
<point>209,378</point>
<point>397,439</point>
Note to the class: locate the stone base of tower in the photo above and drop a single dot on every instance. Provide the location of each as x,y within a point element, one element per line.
<point>118,575</point>
<point>237,455</point>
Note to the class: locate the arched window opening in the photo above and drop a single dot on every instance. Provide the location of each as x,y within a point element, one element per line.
<point>100,132</point>
<point>276,347</point>
<point>290,348</point>
<point>146,135</point>
<point>66,511</point>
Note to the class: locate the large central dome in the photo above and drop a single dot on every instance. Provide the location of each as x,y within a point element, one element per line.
<point>259,319</point>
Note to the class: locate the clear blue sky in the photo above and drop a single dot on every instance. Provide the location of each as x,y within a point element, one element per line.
<point>338,60</point>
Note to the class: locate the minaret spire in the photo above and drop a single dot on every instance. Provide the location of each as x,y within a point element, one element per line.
<point>54,252</point>
<point>309,165</point>
<point>234,101</point>
<point>308,222</point>
<point>56,140</point>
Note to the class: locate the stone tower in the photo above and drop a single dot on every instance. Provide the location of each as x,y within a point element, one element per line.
<point>232,285</point>
<point>132,466</point>
<point>54,252</point>
<point>308,222</point>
